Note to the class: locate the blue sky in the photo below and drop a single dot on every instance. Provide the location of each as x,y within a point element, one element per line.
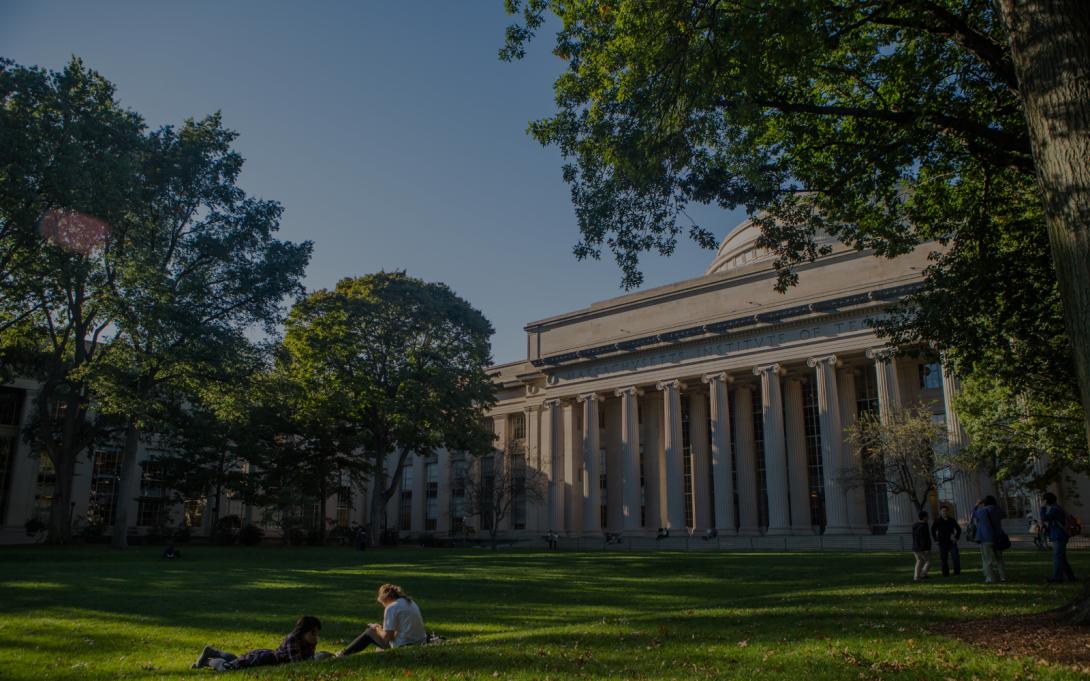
<point>390,132</point>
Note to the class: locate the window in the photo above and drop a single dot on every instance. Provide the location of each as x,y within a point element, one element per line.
<point>518,491</point>
<point>931,376</point>
<point>643,486</point>
<point>733,461</point>
<point>344,506</point>
<point>152,509</point>
<point>458,473</point>
<point>194,512</point>
<point>687,460</point>
<point>431,496</point>
<point>105,477</point>
<point>46,484</point>
<point>759,456</point>
<point>8,449</point>
<point>518,427</point>
<point>11,401</point>
<point>814,468</point>
<point>874,491</point>
<point>488,480</point>
<point>405,509</point>
<point>603,516</point>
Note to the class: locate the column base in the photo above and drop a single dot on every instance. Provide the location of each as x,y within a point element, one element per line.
<point>778,531</point>
<point>803,530</point>
<point>841,531</point>
<point>749,531</point>
<point>727,532</point>
<point>899,529</point>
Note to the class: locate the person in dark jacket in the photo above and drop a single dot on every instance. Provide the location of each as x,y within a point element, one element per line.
<point>946,532</point>
<point>297,646</point>
<point>921,547</point>
<point>989,524</point>
<point>1053,517</point>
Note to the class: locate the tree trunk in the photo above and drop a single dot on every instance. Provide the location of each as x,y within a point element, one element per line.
<point>321,513</point>
<point>1050,49</point>
<point>129,468</point>
<point>378,504</point>
<point>60,509</point>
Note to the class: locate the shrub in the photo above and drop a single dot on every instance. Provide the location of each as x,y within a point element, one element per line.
<point>182,535</point>
<point>34,527</point>
<point>250,535</point>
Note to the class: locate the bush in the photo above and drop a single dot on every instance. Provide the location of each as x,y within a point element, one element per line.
<point>250,535</point>
<point>182,535</point>
<point>314,537</point>
<point>296,536</point>
<point>34,527</point>
<point>225,531</point>
<point>388,538</point>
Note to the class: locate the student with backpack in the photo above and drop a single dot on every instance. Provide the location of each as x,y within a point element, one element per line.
<point>987,522</point>
<point>1061,527</point>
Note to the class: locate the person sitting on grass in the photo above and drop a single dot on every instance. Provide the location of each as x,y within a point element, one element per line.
<point>402,623</point>
<point>297,646</point>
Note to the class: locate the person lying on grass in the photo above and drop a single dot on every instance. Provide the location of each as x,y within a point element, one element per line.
<point>297,646</point>
<point>402,623</point>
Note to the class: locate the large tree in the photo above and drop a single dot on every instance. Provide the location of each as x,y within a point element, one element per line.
<point>70,173</point>
<point>405,360</point>
<point>886,123</point>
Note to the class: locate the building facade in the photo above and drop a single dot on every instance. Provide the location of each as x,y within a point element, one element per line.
<point>714,403</point>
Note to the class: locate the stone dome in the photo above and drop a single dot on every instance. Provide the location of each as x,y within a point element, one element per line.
<point>740,248</point>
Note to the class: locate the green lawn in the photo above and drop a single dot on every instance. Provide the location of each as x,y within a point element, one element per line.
<point>91,613</point>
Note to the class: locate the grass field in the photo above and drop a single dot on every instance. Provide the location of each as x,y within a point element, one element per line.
<point>91,613</point>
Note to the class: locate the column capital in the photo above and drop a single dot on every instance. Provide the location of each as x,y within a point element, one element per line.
<point>773,369</point>
<point>551,404</point>
<point>720,376</point>
<point>631,390</point>
<point>831,360</point>
<point>882,354</point>
<point>674,384</point>
<point>595,397</point>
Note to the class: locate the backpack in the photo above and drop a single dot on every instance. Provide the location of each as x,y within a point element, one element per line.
<point>1072,526</point>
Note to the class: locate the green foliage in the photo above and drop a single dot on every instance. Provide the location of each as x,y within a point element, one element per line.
<point>517,616</point>
<point>1029,436</point>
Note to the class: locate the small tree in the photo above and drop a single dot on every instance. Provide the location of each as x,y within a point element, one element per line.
<point>903,452</point>
<point>495,484</point>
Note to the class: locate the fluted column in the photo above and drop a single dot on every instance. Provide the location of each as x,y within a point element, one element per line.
<point>573,464</point>
<point>966,481</point>
<point>592,495</point>
<point>828,403</point>
<point>630,456</point>
<point>889,400</point>
<point>745,447</point>
<point>554,448</point>
<point>675,471</point>
<point>798,478</point>
<point>775,449</point>
<point>850,455</point>
<point>654,464</point>
<point>442,499</point>
<point>698,444</point>
<point>722,482</point>
<point>537,516</point>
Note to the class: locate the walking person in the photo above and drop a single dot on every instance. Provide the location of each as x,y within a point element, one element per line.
<point>921,547</point>
<point>989,531</point>
<point>946,532</point>
<point>1053,517</point>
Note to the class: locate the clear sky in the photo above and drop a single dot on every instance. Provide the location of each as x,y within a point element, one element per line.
<point>391,133</point>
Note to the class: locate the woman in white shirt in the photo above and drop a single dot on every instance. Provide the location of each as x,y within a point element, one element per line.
<point>402,623</point>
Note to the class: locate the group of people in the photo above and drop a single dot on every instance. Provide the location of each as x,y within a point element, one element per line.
<point>402,625</point>
<point>986,529</point>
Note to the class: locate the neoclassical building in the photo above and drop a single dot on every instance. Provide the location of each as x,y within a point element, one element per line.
<point>714,402</point>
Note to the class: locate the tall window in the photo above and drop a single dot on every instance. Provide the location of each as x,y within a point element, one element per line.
<point>687,460</point>
<point>931,376</point>
<point>643,487</point>
<point>344,506</point>
<point>431,499</point>
<point>105,477</point>
<point>517,423</point>
<point>152,509</point>
<point>518,490</point>
<point>733,460</point>
<point>814,468</point>
<point>458,472</point>
<point>488,481</point>
<point>46,484</point>
<point>874,490</point>
<point>759,456</point>
<point>603,516</point>
<point>405,510</point>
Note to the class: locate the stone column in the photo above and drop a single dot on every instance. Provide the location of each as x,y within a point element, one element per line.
<point>966,481</point>
<point>23,471</point>
<point>592,495</point>
<point>745,447</point>
<point>775,449</point>
<point>614,466</point>
<point>701,467</point>
<point>536,514</point>
<point>889,400</point>
<point>573,458</point>
<point>850,456</point>
<point>675,470</point>
<point>654,461</point>
<point>828,403</point>
<point>554,448</point>
<point>420,492</point>
<point>798,474</point>
<point>630,459</point>
<point>503,450</point>
<point>721,454</point>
